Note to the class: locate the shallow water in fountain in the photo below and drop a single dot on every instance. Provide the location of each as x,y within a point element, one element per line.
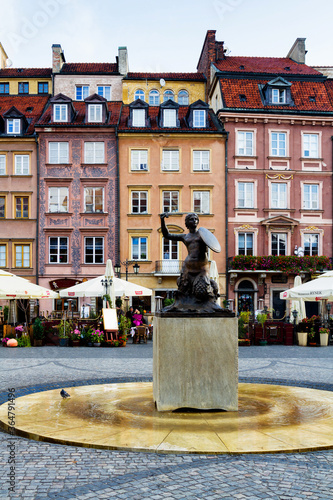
<point>270,418</point>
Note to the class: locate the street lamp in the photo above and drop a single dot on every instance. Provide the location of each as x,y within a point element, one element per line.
<point>126,263</point>
<point>294,313</point>
<point>106,282</point>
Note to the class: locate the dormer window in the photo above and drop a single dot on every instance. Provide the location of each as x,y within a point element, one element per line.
<point>168,115</point>
<point>60,112</point>
<point>199,118</point>
<point>13,126</point>
<point>62,109</point>
<point>276,92</point>
<point>169,118</point>
<point>278,96</point>
<point>95,113</point>
<point>138,118</point>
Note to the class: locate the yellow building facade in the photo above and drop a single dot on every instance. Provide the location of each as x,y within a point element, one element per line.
<point>155,88</point>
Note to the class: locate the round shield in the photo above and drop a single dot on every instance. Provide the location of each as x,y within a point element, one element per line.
<point>209,239</point>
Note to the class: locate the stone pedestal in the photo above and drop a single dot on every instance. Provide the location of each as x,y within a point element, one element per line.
<point>195,363</point>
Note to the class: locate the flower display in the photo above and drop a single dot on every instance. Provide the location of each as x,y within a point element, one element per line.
<point>97,336</point>
<point>288,264</point>
<point>324,330</point>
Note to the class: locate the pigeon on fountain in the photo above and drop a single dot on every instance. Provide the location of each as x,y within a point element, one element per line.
<point>64,394</point>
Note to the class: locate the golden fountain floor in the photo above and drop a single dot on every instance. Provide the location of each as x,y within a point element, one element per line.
<point>270,418</point>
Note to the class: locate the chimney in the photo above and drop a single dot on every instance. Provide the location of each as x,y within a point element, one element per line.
<point>122,61</point>
<point>219,47</point>
<point>58,58</point>
<point>3,57</point>
<point>297,51</point>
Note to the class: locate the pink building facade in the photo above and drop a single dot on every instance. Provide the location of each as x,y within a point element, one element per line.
<point>278,113</point>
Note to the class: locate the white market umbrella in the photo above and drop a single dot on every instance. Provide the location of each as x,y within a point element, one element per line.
<point>15,287</point>
<point>312,291</point>
<point>94,288</point>
<point>298,304</point>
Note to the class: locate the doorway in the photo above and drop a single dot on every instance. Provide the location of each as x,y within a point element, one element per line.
<point>279,305</point>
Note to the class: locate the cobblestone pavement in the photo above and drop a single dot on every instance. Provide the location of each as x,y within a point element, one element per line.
<point>44,470</point>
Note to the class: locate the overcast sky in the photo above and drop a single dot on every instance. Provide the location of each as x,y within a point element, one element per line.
<point>162,36</point>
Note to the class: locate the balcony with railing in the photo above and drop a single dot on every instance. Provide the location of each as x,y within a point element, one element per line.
<point>287,264</point>
<point>169,267</point>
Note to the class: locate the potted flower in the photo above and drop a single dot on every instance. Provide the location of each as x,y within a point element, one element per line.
<point>38,332</point>
<point>4,341</point>
<point>324,333</point>
<point>303,335</point>
<point>19,330</point>
<point>124,326</point>
<point>312,335</point>
<point>76,337</point>
<point>262,318</point>
<point>97,337</point>
<point>64,333</point>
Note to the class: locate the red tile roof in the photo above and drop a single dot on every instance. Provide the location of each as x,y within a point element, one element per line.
<point>30,106</point>
<point>264,65</point>
<point>300,91</point>
<point>153,113</point>
<point>26,73</point>
<point>199,77</point>
<point>114,108</point>
<point>89,68</point>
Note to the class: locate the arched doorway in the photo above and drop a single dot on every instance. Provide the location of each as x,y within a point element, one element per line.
<point>245,296</point>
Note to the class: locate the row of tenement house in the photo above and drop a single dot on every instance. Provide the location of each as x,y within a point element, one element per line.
<point>91,154</point>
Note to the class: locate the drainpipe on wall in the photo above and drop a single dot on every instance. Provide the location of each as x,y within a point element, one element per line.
<point>37,208</point>
<point>226,217</point>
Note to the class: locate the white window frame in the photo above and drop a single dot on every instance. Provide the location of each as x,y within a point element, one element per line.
<point>168,94</point>
<point>139,159</point>
<point>59,194</point>
<point>142,196</point>
<point>94,189</point>
<point>279,96</point>
<point>167,199</point>
<point>309,236</point>
<point>60,113</point>
<point>138,118</point>
<point>204,197</point>
<point>104,91</point>
<point>58,152</point>
<point>141,244</point>
<point>312,203</point>
<point>310,152</point>
<point>95,113</point>
<point>58,250</point>
<point>94,153</point>
<point>276,195</point>
<point>169,118</point>
<point>14,125</point>
<point>139,94</point>
<point>22,164</point>
<point>3,164</point>
<point>170,160</point>
<point>84,90</point>
<point>245,143</point>
<point>246,247</point>
<point>247,201</point>
<point>276,151</point>
<point>154,98</point>
<point>280,236</point>
<point>183,95</point>
<point>201,160</point>
<point>199,118</point>
<point>94,238</point>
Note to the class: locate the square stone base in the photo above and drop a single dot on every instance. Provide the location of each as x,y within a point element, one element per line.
<point>195,363</point>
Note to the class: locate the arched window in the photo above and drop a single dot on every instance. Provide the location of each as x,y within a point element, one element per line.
<point>168,94</point>
<point>154,98</point>
<point>139,94</point>
<point>183,97</point>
